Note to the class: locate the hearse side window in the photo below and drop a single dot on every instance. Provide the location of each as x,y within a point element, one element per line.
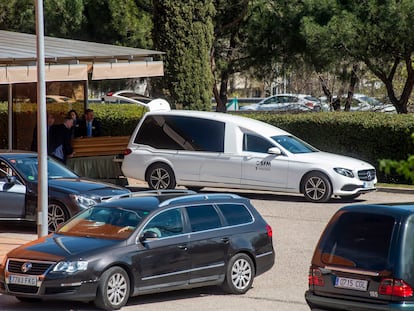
<point>359,240</point>
<point>203,217</point>
<point>181,133</point>
<point>235,214</point>
<point>255,143</point>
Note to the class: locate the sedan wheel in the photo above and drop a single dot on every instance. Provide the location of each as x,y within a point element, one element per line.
<point>317,187</point>
<point>113,290</point>
<point>161,176</point>
<point>239,275</point>
<point>56,215</point>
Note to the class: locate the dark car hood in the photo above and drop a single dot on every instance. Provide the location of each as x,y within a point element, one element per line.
<point>55,247</point>
<point>84,185</point>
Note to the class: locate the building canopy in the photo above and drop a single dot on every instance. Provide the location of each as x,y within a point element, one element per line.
<point>72,60</point>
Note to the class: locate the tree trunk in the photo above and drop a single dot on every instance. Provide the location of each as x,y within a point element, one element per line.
<point>352,83</point>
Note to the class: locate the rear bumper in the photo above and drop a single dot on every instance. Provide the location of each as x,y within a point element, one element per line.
<point>330,304</point>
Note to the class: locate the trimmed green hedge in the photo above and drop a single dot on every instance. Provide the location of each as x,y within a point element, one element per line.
<point>363,135</point>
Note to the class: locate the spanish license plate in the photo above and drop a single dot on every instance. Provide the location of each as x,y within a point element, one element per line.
<point>354,284</point>
<point>23,280</point>
<point>368,184</point>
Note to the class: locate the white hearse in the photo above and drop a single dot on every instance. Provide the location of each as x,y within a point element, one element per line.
<point>199,149</point>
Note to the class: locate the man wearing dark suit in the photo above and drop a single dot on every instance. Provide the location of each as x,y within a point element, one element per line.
<point>60,140</point>
<point>89,126</point>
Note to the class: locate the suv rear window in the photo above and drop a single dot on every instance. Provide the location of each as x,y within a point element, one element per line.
<point>360,240</point>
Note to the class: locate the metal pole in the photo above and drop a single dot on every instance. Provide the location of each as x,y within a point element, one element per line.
<point>42,200</point>
<point>10,117</point>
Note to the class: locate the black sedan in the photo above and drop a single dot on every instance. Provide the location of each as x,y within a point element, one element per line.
<point>68,193</point>
<point>142,245</point>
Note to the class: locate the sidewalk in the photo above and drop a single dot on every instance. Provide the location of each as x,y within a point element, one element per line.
<point>8,241</point>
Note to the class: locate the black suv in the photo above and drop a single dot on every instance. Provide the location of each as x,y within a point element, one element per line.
<point>144,244</point>
<point>365,260</point>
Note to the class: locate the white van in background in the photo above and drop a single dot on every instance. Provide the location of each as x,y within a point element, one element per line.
<point>200,149</point>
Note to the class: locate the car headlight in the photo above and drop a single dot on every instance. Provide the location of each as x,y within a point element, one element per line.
<point>344,171</point>
<point>71,266</point>
<point>83,201</point>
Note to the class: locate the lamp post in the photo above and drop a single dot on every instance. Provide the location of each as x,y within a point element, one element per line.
<point>42,200</point>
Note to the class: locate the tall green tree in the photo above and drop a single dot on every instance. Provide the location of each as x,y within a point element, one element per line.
<point>377,33</point>
<point>184,31</point>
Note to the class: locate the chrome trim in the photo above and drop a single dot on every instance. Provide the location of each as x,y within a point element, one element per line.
<point>264,254</point>
<point>181,272</point>
<point>350,270</point>
<point>207,196</point>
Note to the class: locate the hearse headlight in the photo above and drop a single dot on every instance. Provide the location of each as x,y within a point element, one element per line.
<point>71,266</point>
<point>83,201</point>
<point>344,171</point>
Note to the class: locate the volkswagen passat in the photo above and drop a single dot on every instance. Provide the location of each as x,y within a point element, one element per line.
<point>144,244</point>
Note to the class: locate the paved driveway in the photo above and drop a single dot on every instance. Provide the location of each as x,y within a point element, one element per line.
<point>296,224</point>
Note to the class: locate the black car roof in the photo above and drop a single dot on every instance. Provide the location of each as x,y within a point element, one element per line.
<point>395,209</point>
<point>16,154</point>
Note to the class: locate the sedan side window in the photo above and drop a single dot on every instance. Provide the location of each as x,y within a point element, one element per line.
<point>165,224</point>
<point>255,143</point>
<point>203,217</point>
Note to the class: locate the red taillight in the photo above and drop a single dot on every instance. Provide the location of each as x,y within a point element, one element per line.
<point>309,104</point>
<point>127,151</point>
<point>269,231</point>
<point>315,277</point>
<point>394,287</point>
<point>110,94</point>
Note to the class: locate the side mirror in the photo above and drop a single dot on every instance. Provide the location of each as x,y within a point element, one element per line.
<point>274,150</point>
<point>148,236</point>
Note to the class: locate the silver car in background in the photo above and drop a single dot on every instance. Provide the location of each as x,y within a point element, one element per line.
<point>286,103</point>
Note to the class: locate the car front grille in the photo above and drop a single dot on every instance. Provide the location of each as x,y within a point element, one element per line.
<point>366,175</point>
<point>37,267</point>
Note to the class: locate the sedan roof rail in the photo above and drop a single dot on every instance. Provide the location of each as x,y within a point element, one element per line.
<point>200,197</point>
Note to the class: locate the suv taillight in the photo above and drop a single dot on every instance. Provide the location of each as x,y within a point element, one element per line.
<point>395,287</point>
<point>269,231</point>
<point>127,151</point>
<point>315,277</point>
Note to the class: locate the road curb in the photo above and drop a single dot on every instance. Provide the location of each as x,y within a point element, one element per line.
<point>396,190</point>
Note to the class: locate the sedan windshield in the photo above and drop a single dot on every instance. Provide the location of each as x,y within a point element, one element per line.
<point>28,168</point>
<point>104,222</point>
<point>293,144</point>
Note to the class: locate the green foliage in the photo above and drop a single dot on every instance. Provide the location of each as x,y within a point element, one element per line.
<point>185,32</point>
<point>403,168</point>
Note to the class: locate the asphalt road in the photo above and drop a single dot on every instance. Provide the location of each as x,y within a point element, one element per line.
<point>297,225</point>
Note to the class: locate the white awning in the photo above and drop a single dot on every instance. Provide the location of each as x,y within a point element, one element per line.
<point>140,69</point>
<point>27,74</point>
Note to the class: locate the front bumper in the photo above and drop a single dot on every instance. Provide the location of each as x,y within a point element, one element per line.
<point>58,288</point>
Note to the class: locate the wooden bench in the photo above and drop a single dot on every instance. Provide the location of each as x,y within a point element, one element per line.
<point>99,146</point>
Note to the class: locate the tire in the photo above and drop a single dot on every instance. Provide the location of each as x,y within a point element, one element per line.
<point>161,176</point>
<point>56,214</point>
<point>113,289</point>
<point>317,187</point>
<point>240,273</point>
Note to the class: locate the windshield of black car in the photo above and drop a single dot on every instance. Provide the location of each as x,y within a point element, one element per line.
<point>104,222</point>
<point>293,144</point>
<point>28,168</point>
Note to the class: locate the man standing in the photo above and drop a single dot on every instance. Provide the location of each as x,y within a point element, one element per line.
<point>90,127</point>
<point>61,140</point>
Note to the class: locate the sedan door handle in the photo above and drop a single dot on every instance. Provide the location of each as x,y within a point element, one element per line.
<point>183,247</point>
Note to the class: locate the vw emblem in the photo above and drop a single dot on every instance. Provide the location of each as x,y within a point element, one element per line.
<point>26,267</point>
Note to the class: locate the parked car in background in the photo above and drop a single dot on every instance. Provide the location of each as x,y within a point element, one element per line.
<point>110,98</point>
<point>364,260</point>
<point>144,244</point>
<point>361,102</point>
<point>200,149</point>
<point>52,99</point>
<point>68,193</point>
<point>286,103</point>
